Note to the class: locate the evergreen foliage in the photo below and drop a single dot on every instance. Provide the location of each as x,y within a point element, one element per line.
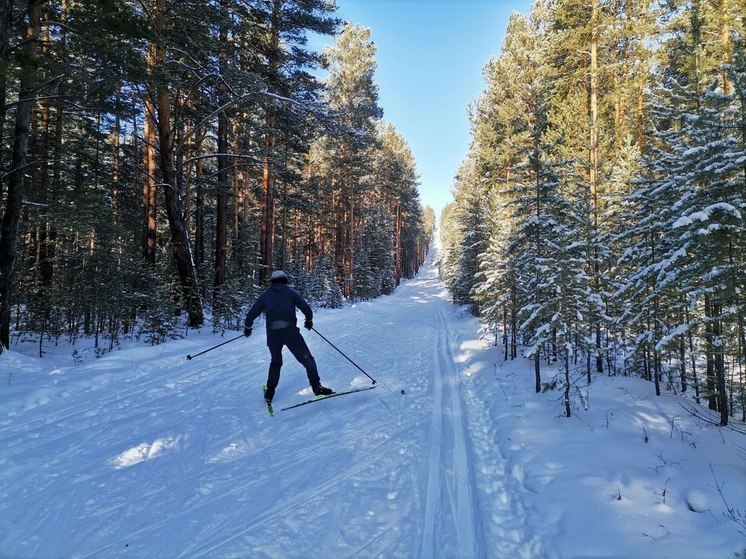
<point>602,201</point>
<point>175,153</point>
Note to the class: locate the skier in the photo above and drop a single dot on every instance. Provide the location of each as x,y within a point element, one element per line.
<point>278,304</point>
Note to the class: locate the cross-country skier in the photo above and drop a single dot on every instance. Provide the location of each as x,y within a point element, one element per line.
<point>278,303</point>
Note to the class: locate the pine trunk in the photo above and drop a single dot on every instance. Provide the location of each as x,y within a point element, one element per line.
<point>6,17</point>
<point>721,395</point>
<point>566,397</point>
<point>18,167</point>
<point>180,244</point>
<point>268,171</point>
<point>710,355</point>
<point>221,206</point>
<point>593,171</point>
<point>149,199</point>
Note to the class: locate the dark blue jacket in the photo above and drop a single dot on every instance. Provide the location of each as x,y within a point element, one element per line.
<point>278,304</point>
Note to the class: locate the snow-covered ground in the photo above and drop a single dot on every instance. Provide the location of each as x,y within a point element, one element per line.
<point>143,453</point>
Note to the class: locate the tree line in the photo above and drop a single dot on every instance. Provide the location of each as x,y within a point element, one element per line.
<point>599,217</point>
<point>160,158</point>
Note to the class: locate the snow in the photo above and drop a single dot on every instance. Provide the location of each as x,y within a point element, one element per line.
<point>142,453</point>
<point>705,214</point>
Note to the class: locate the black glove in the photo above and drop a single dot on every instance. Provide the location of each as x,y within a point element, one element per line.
<point>308,324</point>
<point>247,331</point>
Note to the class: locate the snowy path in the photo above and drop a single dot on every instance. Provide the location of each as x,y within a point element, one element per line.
<point>449,504</point>
<point>144,454</point>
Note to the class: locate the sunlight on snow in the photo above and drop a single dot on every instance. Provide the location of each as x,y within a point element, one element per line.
<point>230,452</point>
<point>654,420</point>
<point>144,451</point>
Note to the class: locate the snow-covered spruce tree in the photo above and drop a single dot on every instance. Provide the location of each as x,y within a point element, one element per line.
<point>449,235</point>
<point>598,54</point>
<point>620,222</point>
<point>380,232</point>
<point>471,216</point>
<point>736,72</point>
<point>651,213</point>
<point>539,246</point>
<point>501,122</point>
<point>711,232</point>
<point>627,33</point>
<point>325,288</point>
<point>650,302</point>
<point>301,279</point>
<point>696,198</point>
<point>572,291</point>
<point>560,299</point>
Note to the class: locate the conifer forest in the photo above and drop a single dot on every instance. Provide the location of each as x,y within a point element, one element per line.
<point>159,158</point>
<point>598,219</point>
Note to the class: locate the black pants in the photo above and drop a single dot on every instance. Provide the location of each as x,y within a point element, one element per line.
<point>290,337</point>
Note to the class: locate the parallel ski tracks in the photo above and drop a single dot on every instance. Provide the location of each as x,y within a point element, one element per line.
<point>450,506</point>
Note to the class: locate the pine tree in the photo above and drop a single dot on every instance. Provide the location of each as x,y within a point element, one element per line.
<point>353,95</point>
<point>27,90</point>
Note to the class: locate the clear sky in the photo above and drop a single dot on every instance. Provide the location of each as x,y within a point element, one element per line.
<point>430,59</point>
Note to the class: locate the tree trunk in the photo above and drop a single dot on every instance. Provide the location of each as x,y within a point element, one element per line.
<point>593,172</point>
<point>692,355</point>
<point>221,218</point>
<point>399,227</point>
<point>505,333</point>
<point>16,182</point>
<point>149,199</point>
<point>115,171</point>
<point>726,44</point>
<point>179,239</point>
<point>49,192</point>
<point>350,245</point>
<point>514,324</point>
<point>719,342</point>
<point>682,363</point>
<point>710,355</point>
<point>197,207</point>
<point>741,360</point>
<point>268,172</point>
<point>566,397</point>
<point>6,17</point>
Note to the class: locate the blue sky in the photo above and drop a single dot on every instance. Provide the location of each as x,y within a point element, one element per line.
<point>430,59</point>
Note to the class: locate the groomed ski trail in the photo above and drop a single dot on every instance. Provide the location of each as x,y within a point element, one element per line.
<point>473,504</point>
<point>449,500</point>
<point>145,454</point>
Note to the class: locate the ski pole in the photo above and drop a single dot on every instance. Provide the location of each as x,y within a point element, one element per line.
<point>343,355</point>
<point>214,347</point>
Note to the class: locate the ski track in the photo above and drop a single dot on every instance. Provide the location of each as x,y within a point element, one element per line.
<point>182,459</point>
<point>449,488</point>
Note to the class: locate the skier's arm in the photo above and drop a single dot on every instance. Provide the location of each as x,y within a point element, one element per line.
<point>254,312</point>
<point>302,305</point>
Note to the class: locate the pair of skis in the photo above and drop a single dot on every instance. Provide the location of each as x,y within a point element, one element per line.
<point>316,399</point>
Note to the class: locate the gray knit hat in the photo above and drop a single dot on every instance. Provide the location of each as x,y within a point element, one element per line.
<point>278,276</point>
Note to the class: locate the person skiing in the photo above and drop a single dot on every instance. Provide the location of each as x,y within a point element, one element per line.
<point>278,303</point>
